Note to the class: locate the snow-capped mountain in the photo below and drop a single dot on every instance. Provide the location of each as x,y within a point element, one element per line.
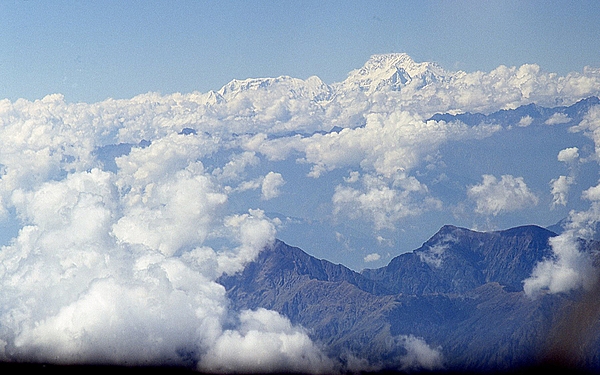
<point>392,72</point>
<point>312,88</point>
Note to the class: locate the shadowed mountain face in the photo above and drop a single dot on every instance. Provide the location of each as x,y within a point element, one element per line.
<point>461,292</point>
<point>457,260</point>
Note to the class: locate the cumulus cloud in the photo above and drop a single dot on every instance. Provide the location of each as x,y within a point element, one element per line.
<point>266,342</point>
<point>429,89</point>
<point>99,276</point>
<point>387,144</point>
<point>271,184</point>
<point>571,268</point>
<point>560,190</point>
<point>80,295</point>
<point>382,202</point>
<point>568,155</point>
<point>116,266</point>
<point>494,196</point>
<point>235,168</point>
<point>558,118</point>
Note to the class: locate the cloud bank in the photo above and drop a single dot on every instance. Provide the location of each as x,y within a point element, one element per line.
<point>124,207</point>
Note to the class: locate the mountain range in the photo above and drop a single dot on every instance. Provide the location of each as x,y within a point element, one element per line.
<point>461,293</point>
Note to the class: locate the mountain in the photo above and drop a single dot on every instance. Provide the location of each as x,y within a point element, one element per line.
<point>456,260</point>
<point>460,293</point>
<point>393,71</point>
<point>312,88</point>
<point>536,115</point>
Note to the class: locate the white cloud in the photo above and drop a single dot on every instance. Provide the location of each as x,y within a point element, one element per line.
<point>590,126</point>
<point>592,194</point>
<point>419,355</point>
<point>569,269</point>
<point>235,168</point>
<point>170,215</point>
<point>271,184</point>
<point>253,232</point>
<point>558,118</point>
<point>74,293</point>
<point>568,155</point>
<point>115,268</point>
<point>381,203</point>
<point>430,89</point>
<point>266,342</point>
<point>493,197</point>
<point>560,190</point>
<point>373,257</point>
<point>387,144</point>
<point>525,121</point>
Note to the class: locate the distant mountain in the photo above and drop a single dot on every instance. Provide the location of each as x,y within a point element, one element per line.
<point>312,88</point>
<point>456,260</point>
<point>392,71</point>
<point>532,113</point>
<point>461,292</point>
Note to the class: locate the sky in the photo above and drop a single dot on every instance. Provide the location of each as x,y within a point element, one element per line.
<point>149,148</point>
<point>90,51</point>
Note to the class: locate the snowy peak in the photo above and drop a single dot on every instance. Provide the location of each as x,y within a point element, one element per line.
<point>312,88</point>
<point>393,70</point>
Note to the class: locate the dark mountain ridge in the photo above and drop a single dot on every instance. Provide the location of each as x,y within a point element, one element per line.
<point>537,114</point>
<point>461,292</point>
<point>456,260</point>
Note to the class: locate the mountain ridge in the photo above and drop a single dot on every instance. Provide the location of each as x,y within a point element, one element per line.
<point>360,314</point>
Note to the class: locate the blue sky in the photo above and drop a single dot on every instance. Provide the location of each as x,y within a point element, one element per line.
<point>90,51</point>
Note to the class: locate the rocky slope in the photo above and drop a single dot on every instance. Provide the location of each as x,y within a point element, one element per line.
<point>461,293</point>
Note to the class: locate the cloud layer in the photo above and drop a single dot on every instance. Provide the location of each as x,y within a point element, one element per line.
<point>125,218</point>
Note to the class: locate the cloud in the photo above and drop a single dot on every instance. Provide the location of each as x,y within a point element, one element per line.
<point>373,257</point>
<point>560,190</point>
<point>118,268</point>
<point>235,168</point>
<point>266,342</point>
<point>590,126</point>
<point>433,254</point>
<point>271,184</point>
<point>419,355</point>
<point>116,255</point>
<point>557,118</point>
<point>81,295</point>
<point>383,203</point>
<point>428,89</point>
<point>570,268</point>
<point>525,121</point>
<point>493,197</point>
<point>568,155</point>
<point>387,144</point>
<point>592,194</point>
